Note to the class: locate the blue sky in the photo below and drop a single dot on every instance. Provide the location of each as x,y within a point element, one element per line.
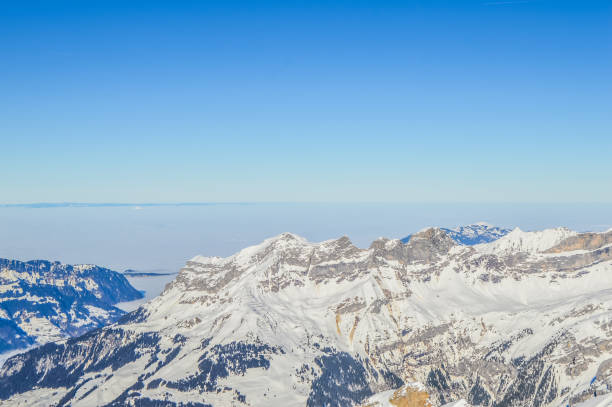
<point>456,101</point>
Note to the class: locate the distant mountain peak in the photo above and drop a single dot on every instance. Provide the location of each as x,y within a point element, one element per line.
<point>532,242</point>
<point>469,235</point>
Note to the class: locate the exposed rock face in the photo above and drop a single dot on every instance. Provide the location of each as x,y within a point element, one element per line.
<point>409,395</point>
<point>583,241</point>
<point>288,322</point>
<point>42,301</point>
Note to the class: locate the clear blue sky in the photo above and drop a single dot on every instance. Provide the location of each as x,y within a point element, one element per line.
<point>486,101</point>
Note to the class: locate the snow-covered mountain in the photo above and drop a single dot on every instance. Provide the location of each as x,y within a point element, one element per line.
<point>523,322</point>
<point>518,241</point>
<point>476,233</point>
<point>42,301</point>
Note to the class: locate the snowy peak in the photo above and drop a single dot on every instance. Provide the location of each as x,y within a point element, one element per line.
<point>519,241</point>
<point>433,240</point>
<point>290,260</point>
<point>286,259</point>
<point>477,233</point>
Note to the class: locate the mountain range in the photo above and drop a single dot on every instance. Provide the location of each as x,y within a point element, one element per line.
<point>43,301</point>
<point>520,321</point>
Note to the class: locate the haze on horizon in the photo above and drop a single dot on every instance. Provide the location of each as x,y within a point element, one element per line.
<point>224,101</point>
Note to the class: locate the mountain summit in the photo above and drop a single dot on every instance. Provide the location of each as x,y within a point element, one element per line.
<point>294,323</point>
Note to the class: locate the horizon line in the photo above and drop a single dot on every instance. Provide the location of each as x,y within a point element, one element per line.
<point>213,203</point>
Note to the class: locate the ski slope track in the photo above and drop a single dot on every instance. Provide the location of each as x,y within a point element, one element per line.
<point>522,321</point>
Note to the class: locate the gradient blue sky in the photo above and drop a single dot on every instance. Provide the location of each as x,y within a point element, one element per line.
<point>485,101</point>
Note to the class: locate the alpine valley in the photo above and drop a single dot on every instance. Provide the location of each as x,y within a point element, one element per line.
<point>521,320</point>
<point>42,301</point>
